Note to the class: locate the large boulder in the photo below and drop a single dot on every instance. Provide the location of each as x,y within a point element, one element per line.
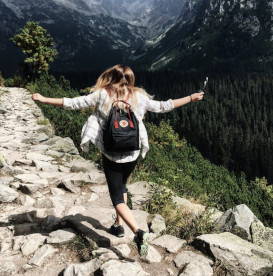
<point>171,243</point>
<point>193,264</point>
<point>237,220</point>
<point>237,255</point>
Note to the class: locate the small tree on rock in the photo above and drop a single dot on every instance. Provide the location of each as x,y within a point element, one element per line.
<point>37,45</point>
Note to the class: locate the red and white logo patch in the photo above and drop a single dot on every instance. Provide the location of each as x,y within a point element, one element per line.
<point>123,123</point>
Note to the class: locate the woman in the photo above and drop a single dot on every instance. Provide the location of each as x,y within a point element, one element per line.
<point>118,83</point>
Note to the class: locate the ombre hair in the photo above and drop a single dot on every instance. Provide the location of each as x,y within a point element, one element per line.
<point>116,81</point>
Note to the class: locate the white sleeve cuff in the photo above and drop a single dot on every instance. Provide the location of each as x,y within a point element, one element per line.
<point>67,103</point>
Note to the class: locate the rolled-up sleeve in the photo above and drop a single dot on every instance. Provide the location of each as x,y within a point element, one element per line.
<point>159,106</point>
<point>80,102</point>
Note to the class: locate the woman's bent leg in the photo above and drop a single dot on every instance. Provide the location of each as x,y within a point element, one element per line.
<point>114,175</point>
<point>123,210</point>
<point>119,219</point>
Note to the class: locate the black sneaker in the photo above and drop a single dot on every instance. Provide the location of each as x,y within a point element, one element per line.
<point>141,240</point>
<point>117,230</point>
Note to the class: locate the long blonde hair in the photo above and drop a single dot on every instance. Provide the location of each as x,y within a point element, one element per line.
<point>117,80</point>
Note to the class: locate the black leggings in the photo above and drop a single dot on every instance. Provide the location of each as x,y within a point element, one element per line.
<point>116,175</point>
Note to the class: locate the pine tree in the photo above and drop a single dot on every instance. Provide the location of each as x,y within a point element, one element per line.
<point>37,45</point>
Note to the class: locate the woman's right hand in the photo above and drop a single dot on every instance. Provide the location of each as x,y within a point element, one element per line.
<point>38,97</point>
<point>197,96</point>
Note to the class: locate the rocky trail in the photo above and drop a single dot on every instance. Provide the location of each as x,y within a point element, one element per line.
<point>55,212</point>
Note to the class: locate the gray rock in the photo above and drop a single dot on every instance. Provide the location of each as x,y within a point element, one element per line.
<point>153,256</point>
<point>140,193</point>
<point>93,197</point>
<point>214,214</point>
<point>28,177</point>
<point>121,268</point>
<point>237,255</point>
<point>67,184</point>
<point>54,153</point>
<point>157,223</point>
<point>188,256</point>
<point>6,180</point>
<point>123,249</point>
<point>2,111</point>
<point>7,194</point>
<point>42,254</point>
<point>196,269</point>
<point>57,191</point>
<point>22,161</point>
<point>237,220</point>
<point>6,239</point>
<point>193,208</point>
<point>61,236</point>
<point>170,243</point>
<point>261,235</point>
<point>40,137</point>
<point>43,203</point>
<point>64,145</point>
<point>97,177</point>
<point>171,273</point>
<point>193,264</point>
<point>82,269</point>
<point>64,169</point>
<point>35,156</point>
<point>31,243</point>
<point>81,165</point>
<point>45,166</point>
<point>26,200</point>
<point>104,254</point>
<point>8,268</point>
<point>17,242</point>
<point>29,188</point>
<point>99,189</point>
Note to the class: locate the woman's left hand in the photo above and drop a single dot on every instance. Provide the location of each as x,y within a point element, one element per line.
<point>197,96</point>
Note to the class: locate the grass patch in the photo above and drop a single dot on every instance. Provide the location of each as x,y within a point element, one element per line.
<point>179,221</point>
<point>43,122</point>
<point>81,246</point>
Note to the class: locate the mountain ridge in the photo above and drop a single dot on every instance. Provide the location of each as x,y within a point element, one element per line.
<point>213,35</point>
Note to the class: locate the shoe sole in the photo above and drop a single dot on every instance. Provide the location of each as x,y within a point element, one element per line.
<point>144,245</point>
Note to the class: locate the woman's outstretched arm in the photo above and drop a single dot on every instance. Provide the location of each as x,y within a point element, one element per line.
<point>42,99</point>
<point>166,106</point>
<point>80,102</point>
<point>192,98</point>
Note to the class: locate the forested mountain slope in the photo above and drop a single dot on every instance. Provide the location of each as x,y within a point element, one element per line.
<point>215,35</point>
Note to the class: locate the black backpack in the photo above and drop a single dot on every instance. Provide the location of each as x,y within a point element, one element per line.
<point>121,130</point>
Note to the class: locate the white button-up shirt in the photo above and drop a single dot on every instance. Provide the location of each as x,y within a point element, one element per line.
<point>93,127</point>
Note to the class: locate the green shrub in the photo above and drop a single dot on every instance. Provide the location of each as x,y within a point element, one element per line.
<point>179,221</point>
<point>16,81</point>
